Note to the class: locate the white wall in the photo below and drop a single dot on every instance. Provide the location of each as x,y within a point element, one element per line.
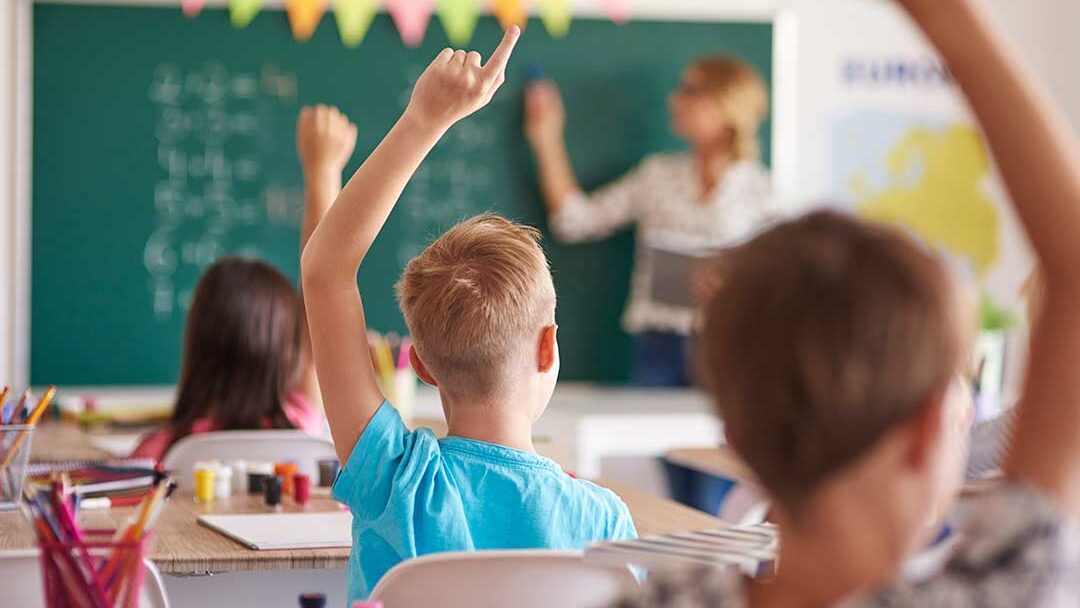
<point>7,87</point>
<point>1041,27</point>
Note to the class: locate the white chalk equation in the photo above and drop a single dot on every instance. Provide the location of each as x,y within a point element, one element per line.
<point>213,192</point>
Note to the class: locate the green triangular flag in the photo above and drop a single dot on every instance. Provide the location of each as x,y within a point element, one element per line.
<point>353,18</point>
<point>556,17</point>
<point>241,12</point>
<point>458,18</point>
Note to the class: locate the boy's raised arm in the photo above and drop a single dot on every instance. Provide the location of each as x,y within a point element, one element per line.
<point>454,86</point>
<point>1039,159</point>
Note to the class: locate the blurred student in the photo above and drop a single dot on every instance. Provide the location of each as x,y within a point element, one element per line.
<point>834,350</point>
<point>480,306</point>
<point>716,195</point>
<point>247,362</point>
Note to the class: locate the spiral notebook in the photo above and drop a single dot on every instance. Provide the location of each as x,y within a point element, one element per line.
<point>268,531</point>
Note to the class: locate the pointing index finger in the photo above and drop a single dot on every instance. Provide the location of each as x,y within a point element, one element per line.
<point>501,56</point>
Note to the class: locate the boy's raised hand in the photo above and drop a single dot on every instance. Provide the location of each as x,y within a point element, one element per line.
<point>456,84</point>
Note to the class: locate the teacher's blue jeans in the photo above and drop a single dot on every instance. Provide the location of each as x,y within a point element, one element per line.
<point>661,359</point>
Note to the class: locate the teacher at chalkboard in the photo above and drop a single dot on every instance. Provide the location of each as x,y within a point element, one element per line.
<point>715,195</point>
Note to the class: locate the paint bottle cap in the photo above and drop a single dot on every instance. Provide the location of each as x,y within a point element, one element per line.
<point>312,600</point>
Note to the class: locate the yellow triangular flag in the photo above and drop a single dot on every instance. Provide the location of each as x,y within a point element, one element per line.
<point>458,18</point>
<point>509,12</point>
<point>304,17</point>
<point>241,12</point>
<point>353,19</point>
<point>556,17</point>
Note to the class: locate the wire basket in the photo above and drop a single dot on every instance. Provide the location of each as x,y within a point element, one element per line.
<point>15,443</point>
<point>95,573</point>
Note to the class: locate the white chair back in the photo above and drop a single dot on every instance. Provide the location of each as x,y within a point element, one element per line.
<point>497,579</point>
<point>226,446</point>
<point>20,579</point>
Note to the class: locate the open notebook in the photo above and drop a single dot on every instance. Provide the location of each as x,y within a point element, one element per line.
<point>267,531</point>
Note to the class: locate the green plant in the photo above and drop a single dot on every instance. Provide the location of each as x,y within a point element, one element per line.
<point>994,317</point>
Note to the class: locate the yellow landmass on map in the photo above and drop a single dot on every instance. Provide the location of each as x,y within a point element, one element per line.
<point>935,188</point>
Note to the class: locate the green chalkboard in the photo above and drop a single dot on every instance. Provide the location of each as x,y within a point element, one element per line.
<point>161,143</point>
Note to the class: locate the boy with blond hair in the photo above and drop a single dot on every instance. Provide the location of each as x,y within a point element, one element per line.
<point>480,305</point>
<point>835,351</point>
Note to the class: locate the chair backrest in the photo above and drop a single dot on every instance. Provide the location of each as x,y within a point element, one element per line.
<point>225,446</point>
<point>746,504</point>
<point>496,579</point>
<point>20,580</point>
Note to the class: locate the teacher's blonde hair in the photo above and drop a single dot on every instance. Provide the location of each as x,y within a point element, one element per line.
<point>742,94</point>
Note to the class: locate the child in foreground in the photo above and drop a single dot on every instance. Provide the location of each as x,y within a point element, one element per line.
<point>247,361</point>
<point>835,350</point>
<point>480,305</point>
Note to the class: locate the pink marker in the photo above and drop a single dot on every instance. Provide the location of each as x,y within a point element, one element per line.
<point>403,354</point>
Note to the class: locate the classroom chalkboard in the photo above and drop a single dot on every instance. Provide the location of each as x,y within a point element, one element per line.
<point>161,143</point>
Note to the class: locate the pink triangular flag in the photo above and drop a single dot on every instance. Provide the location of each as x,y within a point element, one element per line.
<point>411,18</point>
<point>617,10</point>
<point>192,8</point>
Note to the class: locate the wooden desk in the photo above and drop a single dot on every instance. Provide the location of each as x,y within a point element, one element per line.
<point>182,546</point>
<point>654,515</point>
<point>58,441</point>
<point>720,461</point>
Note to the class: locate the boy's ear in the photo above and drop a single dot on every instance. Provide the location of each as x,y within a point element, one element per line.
<point>548,349</point>
<point>926,428</point>
<point>420,369</point>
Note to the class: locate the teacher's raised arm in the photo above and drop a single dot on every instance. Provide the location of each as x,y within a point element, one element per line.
<point>714,195</point>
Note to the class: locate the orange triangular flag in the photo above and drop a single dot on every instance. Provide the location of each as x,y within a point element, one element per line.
<point>411,18</point>
<point>509,12</point>
<point>304,17</point>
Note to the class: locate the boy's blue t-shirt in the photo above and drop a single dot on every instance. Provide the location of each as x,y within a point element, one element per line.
<point>411,494</point>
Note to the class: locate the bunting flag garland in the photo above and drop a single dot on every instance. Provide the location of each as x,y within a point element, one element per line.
<point>304,17</point>
<point>616,9</point>
<point>353,18</point>
<point>509,12</point>
<point>411,18</point>
<point>192,8</point>
<point>556,17</point>
<point>458,18</point>
<point>242,12</point>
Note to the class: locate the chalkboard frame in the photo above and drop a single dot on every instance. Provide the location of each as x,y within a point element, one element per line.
<point>16,254</point>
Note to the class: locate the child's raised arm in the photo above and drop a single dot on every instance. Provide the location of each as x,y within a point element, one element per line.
<point>1039,159</point>
<point>325,140</point>
<point>454,86</point>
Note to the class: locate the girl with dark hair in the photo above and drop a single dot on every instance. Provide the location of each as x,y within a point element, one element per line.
<point>247,355</point>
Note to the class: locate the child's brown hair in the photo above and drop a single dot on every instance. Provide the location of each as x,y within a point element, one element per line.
<point>476,301</point>
<point>823,334</point>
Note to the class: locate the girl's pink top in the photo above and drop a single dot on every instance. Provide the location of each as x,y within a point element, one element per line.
<point>298,409</point>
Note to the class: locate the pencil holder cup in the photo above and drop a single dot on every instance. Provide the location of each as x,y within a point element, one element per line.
<point>14,454</point>
<point>97,572</point>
